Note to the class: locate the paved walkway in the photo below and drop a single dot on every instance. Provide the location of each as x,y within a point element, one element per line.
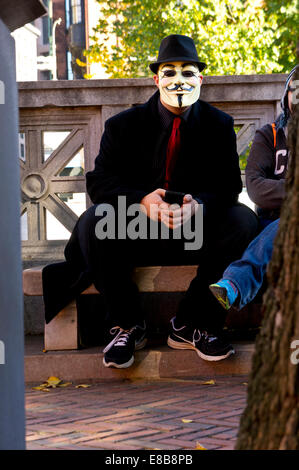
<point>168,414</point>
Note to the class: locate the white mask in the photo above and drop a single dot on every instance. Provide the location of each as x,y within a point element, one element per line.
<point>179,83</point>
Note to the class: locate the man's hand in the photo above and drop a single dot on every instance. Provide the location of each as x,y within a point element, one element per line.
<point>174,216</point>
<point>151,204</point>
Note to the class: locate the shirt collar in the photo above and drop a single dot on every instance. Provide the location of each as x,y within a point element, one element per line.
<point>167,116</point>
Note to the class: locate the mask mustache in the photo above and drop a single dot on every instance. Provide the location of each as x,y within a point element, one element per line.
<point>179,87</point>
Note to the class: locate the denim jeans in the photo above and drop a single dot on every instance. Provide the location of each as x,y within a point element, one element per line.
<point>248,272</point>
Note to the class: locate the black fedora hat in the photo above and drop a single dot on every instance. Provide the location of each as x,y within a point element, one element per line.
<point>176,48</point>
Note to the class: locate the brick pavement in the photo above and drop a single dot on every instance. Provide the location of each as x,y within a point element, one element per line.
<point>137,414</point>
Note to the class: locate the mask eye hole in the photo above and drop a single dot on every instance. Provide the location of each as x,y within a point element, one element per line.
<point>169,73</point>
<point>188,74</point>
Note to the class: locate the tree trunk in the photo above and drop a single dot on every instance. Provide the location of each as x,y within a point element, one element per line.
<point>271,418</point>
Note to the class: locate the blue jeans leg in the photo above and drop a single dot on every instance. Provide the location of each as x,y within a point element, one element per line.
<point>248,272</point>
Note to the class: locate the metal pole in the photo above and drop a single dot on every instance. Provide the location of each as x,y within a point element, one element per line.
<point>12,415</point>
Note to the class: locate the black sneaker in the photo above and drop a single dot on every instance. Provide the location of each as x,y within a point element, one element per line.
<point>119,352</point>
<point>207,346</point>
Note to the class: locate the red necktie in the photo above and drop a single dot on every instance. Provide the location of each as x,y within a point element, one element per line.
<point>172,150</point>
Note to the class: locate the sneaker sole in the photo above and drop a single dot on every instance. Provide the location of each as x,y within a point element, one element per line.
<point>129,362</point>
<point>178,345</point>
<point>119,366</point>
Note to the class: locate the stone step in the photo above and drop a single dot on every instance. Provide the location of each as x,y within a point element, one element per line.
<point>161,288</point>
<point>153,362</point>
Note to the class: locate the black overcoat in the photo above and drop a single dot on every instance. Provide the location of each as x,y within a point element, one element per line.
<point>132,156</point>
<point>131,162</point>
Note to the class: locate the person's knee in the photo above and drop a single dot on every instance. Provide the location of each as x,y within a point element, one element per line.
<point>244,220</point>
<point>87,222</point>
<point>241,228</point>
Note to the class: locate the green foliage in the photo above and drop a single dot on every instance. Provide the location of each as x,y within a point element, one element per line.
<point>284,18</point>
<point>232,36</point>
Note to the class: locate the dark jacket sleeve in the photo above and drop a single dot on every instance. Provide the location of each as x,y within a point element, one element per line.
<point>227,184</point>
<point>106,182</point>
<point>265,191</point>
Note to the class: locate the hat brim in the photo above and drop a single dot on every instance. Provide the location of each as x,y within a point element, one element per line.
<point>155,65</point>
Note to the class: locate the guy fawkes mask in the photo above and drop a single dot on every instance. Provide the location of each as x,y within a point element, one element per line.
<point>179,83</point>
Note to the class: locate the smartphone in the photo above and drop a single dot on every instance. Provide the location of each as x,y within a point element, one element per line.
<point>174,197</point>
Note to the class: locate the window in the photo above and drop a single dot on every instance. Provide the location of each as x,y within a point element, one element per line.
<point>76,11</point>
<point>45,25</point>
<point>45,75</point>
<point>70,75</point>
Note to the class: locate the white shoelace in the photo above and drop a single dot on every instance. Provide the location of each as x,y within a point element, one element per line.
<point>120,339</point>
<point>196,332</point>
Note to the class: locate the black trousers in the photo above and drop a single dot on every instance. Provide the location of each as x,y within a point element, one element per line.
<point>226,234</point>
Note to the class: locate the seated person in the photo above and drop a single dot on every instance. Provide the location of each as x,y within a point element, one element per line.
<point>265,178</point>
<point>268,160</point>
<point>167,143</point>
<point>243,278</point>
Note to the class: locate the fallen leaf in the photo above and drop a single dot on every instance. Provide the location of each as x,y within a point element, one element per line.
<point>199,447</point>
<point>184,420</point>
<point>82,386</point>
<point>41,388</point>
<point>53,381</point>
<point>44,350</point>
<point>209,382</point>
<point>65,384</point>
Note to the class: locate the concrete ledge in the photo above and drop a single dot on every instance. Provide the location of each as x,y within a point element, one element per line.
<point>63,332</point>
<point>128,91</point>
<point>148,279</point>
<point>150,363</point>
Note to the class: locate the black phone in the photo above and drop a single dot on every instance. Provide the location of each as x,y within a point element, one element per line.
<point>174,197</point>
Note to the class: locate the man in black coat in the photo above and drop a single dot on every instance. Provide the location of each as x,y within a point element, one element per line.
<point>174,142</point>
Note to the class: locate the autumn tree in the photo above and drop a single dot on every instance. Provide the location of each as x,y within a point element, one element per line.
<point>283,16</point>
<point>232,37</point>
<point>271,419</point>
